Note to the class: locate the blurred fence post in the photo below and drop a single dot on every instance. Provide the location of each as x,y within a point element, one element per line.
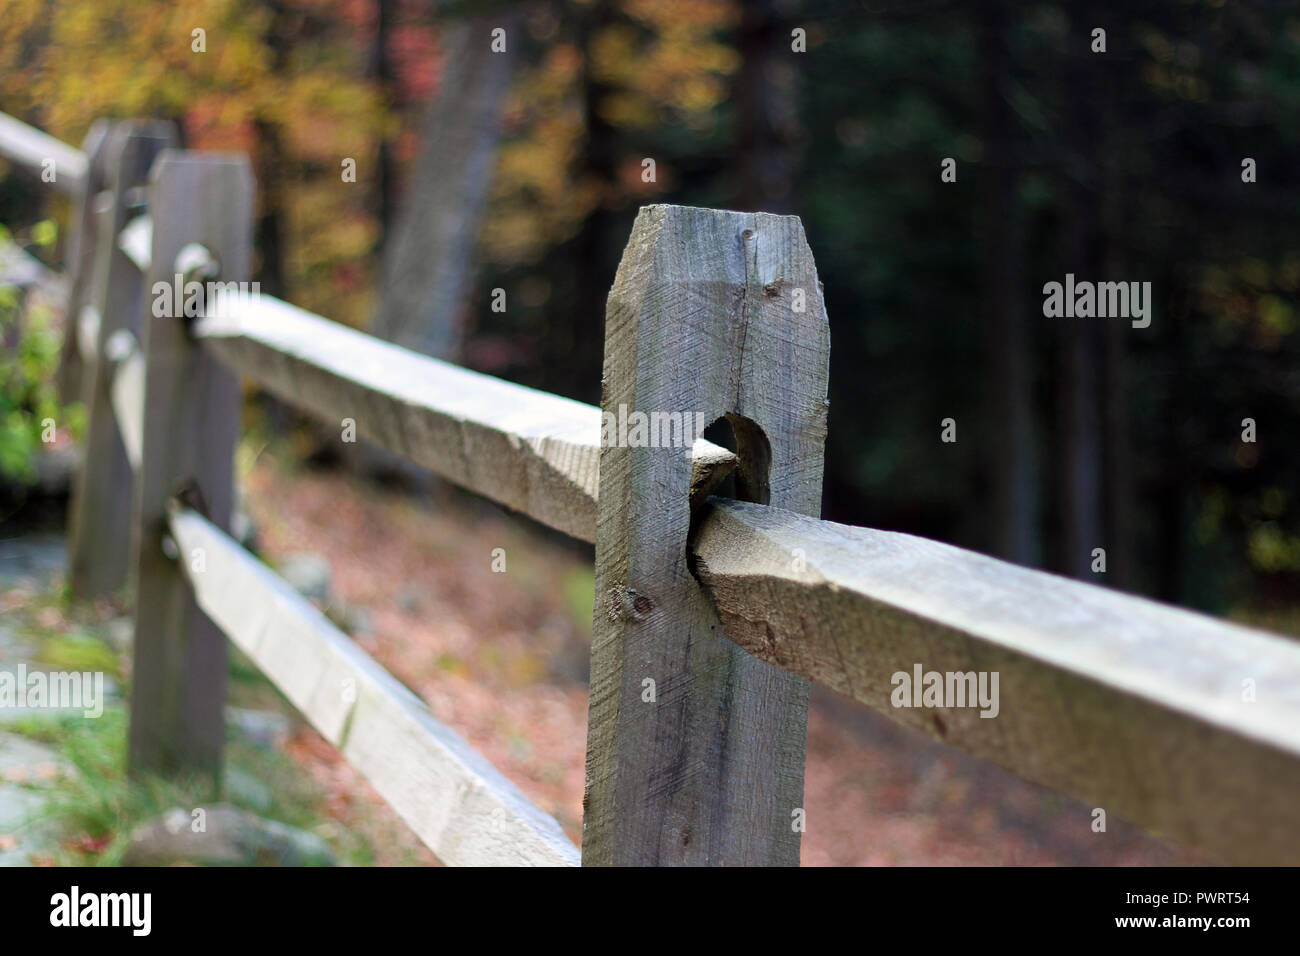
<point>99,513</point>
<point>82,244</point>
<point>189,427</point>
<point>695,750</point>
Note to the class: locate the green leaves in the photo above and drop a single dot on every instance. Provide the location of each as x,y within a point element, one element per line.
<point>28,364</point>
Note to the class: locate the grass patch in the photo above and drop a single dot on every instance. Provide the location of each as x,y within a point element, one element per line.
<point>95,809</point>
<point>78,652</point>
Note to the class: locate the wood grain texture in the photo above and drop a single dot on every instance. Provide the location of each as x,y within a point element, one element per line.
<point>703,317</point>
<point>190,422</point>
<point>1129,705</point>
<point>464,809</point>
<point>99,512</point>
<point>529,450</point>
<point>28,147</point>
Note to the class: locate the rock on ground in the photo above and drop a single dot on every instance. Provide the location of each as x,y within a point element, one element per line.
<point>228,837</point>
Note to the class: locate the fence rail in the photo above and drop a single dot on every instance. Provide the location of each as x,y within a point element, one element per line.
<point>458,803</point>
<point>62,166</point>
<point>1133,706</point>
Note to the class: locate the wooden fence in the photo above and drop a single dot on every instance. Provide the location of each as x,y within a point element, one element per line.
<point>712,615</point>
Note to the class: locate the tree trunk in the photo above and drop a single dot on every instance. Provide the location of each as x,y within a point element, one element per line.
<point>769,136</point>
<point>428,265</point>
<point>1012,465</point>
<point>381,73</point>
<point>1080,355</point>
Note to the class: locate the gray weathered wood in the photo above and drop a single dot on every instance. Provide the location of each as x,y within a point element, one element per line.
<point>190,422</point>
<point>1133,706</point>
<point>30,148</point>
<point>704,316</point>
<point>530,450</point>
<point>81,258</point>
<point>136,240</point>
<point>87,333</point>
<point>99,513</point>
<point>126,361</point>
<point>462,807</point>
<point>429,264</point>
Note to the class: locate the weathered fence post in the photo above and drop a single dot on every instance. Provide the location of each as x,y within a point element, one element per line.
<point>695,749</point>
<point>81,258</point>
<point>190,423</point>
<point>99,515</point>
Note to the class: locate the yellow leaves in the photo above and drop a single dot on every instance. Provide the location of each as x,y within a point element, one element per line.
<point>678,65</point>
<point>45,232</point>
<point>662,64</point>
<point>21,18</point>
<point>564,60</point>
<point>664,15</point>
<point>1250,299</point>
<point>1275,321</point>
<point>1276,314</point>
<point>700,94</point>
<point>535,199</point>
<point>79,61</point>
<point>1272,549</point>
<point>550,87</point>
<point>1173,66</point>
<point>628,109</point>
<point>321,116</point>
<point>332,255</point>
<point>616,55</point>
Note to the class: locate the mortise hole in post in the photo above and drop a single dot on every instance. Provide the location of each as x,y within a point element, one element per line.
<point>755,454</point>
<point>720,433</point>
<point>749,481</point>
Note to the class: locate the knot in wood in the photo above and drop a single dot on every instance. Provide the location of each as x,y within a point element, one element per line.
<point>625,603</point>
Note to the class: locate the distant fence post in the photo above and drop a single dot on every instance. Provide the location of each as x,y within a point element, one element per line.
<point>189,427</point>
<point>695,751</point>
<point>82,243</point>
<point>99,514</point>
